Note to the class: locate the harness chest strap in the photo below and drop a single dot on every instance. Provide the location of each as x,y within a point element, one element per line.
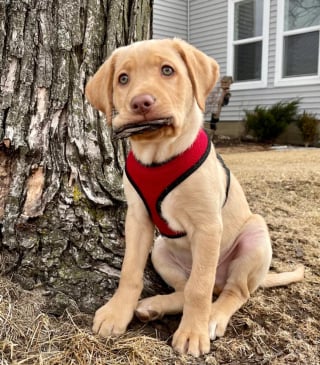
<point>154,182</point>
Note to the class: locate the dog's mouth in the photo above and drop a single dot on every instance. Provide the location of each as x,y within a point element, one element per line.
<point>132,129</point>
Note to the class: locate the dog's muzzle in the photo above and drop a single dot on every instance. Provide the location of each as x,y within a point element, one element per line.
<point>132,129</point>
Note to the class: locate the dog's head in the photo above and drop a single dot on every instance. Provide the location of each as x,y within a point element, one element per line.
<point>153,85</point>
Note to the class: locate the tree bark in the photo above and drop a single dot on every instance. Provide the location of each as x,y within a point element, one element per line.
<point>61,201</point>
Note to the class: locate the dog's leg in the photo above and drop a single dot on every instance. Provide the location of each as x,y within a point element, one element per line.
<point>192,335</point>
<point>284,278</point>
<point>114,317</point>
<point>193,293</point>
<point>247,270</point>
<point>174,275</point>
<point>156,307</point>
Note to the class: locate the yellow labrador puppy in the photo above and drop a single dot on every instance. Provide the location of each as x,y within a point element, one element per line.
<point>174,180</point>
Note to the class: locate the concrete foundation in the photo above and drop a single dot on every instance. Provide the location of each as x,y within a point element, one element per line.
<point>291,135</point>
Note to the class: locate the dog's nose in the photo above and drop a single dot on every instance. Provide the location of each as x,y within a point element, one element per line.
<point>142,104</point>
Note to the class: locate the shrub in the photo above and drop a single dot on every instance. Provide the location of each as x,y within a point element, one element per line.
<point>266,124</point>
<point>308,125</point>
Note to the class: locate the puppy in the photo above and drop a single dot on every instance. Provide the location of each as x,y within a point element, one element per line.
<point>174,181</point>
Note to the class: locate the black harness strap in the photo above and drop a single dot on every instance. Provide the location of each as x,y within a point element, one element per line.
<point>228,177</point>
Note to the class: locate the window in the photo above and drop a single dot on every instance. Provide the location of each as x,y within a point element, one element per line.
<point>298,42</point>
<point>248,43</point>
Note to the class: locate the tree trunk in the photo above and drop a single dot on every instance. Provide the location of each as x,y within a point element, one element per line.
<point>61,201</point>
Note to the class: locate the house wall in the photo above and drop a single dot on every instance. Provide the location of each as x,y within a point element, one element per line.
<point>208,31</point>
<point>170,19</point>
<point>208,28</point>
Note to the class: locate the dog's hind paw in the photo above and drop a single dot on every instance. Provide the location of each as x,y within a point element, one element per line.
<point>146,315</point>
<point>217,326</point>
<point>148,310</point>
<point>212,330</point>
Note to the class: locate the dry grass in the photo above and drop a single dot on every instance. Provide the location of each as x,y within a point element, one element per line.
<point>276,326</point>
<point>28,336</point>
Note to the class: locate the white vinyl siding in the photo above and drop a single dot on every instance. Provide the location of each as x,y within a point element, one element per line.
<point>170,19</point>
<point>207,29</point>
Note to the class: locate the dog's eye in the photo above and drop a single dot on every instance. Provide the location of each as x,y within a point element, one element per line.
<point>123,79</point>
<point>167,70</point>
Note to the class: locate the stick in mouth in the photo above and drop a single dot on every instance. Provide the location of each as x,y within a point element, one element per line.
<point>131,129</point>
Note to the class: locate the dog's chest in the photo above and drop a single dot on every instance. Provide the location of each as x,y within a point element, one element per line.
<point>156,184</point>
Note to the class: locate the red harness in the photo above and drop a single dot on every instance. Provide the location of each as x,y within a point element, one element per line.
<point>154,182</point>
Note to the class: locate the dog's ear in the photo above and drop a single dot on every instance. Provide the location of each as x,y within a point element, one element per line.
<point>99,89</point>
<point>203,70</point>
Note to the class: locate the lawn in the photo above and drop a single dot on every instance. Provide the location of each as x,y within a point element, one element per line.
<point>276,326</point>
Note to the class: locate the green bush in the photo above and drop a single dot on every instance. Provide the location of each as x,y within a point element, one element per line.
<point>266,124</point>
<point>308,125</point>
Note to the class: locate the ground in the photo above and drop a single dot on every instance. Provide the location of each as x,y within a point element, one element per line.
<point>276,326</point>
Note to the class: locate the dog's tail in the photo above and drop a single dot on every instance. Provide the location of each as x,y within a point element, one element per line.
<point>283,278</point>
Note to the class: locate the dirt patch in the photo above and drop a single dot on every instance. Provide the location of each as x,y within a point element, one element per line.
<point>276,326</point>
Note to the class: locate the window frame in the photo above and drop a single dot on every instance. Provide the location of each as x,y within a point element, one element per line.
<point>281,33</point>
<point>250,84</point>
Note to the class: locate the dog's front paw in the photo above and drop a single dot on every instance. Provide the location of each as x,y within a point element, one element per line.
<point>189,340</point>
<point>111,319</point>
